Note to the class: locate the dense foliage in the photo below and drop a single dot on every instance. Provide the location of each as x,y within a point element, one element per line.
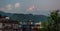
<point>53,23</point>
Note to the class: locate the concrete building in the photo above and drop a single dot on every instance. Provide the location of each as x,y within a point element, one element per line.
<point>11,25</point>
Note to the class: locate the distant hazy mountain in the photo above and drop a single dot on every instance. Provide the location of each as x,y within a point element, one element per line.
<point>25,17</point>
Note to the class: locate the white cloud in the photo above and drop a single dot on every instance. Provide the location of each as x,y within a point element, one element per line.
<point>31,8</point>
<point>9,7</point>
<point>17,5</point>
<point>2,9</point>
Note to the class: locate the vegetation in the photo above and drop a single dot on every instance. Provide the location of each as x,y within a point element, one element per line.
<point>53,22</point>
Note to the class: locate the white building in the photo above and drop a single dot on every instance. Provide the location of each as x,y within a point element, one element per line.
<point>39,25</point>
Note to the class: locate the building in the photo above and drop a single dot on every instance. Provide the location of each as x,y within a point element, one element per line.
<point>39,25</point>
<point>11,25</point>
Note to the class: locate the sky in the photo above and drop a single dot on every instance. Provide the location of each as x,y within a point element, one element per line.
<point>29,6</point>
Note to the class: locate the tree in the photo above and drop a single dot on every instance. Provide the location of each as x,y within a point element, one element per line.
<point>53,21</point>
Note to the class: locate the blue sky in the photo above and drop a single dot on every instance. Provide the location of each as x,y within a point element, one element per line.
<point>29,6</point>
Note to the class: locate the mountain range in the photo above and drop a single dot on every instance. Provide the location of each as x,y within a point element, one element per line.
<point>24,17</point>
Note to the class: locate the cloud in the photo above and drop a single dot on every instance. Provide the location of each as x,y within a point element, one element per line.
<point>1,9</point>
<point>31,8</point>
<point>9,7</point>
<point>17,5</point>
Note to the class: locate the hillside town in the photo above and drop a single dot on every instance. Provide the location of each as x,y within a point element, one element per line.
<point>29,15</point>
<point>11,25</point>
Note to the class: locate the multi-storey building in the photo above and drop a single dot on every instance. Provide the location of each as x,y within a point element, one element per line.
<point>11,25</point>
